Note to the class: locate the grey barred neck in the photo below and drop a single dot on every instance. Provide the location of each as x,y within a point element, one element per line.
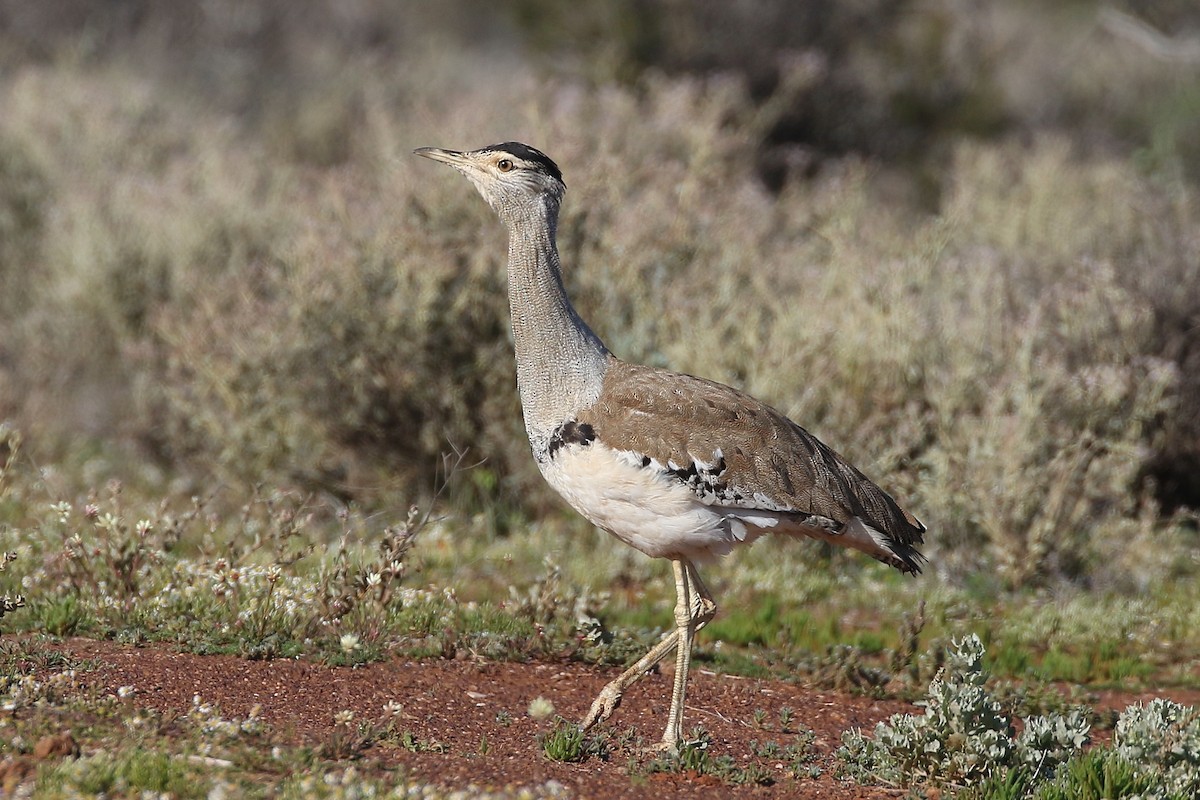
<point>560,361</point>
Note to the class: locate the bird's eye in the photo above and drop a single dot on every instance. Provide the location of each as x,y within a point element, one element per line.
<point>504,165</point>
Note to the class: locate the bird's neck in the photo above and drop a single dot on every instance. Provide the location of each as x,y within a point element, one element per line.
<point>560,361</point>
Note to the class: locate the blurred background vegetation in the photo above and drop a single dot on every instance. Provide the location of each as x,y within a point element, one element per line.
<point>960,241</point>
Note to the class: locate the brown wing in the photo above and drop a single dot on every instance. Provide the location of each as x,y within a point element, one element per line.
<point>738,452</point>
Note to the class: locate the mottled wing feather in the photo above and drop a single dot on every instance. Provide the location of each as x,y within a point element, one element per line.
<point>755,457</point>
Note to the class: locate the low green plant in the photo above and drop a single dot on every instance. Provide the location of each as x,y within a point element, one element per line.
<point>350,740</point>
<point>767,749</point>
<point>802,755</point>
<point>132,772</point>
<point>1102,774</point>
<point>692,755</point>
<point>415,744</point>
<point>62,616</point>
<point>20,656</point>
<point>1006,784</point>
<point>787,716</point>
<point>564,742</point>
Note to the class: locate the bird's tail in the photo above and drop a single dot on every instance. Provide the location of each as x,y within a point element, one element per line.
<point>860,535</point>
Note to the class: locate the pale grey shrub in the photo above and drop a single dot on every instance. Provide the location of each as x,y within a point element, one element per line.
<point>1051,375</point>
<point>964,735</point>
<point>1047,741</point>
<point>1163,737</point>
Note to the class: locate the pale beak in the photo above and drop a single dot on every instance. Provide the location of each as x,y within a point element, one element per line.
<point>452,157</point>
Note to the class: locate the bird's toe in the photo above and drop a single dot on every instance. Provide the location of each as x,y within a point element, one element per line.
<point>602,708</point>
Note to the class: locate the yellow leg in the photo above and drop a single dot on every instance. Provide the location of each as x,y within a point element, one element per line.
<point>685,625</point>
<point>703,606</point>
<point>610,696</point>
<point>694,608</point>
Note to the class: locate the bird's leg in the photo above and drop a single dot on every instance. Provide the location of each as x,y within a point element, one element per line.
<point>693,604</point>
<point>704,608</point>
<point>688,607</point>
<point>610,696</point>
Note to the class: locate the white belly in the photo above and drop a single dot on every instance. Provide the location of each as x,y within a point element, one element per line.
<point>640,506</point>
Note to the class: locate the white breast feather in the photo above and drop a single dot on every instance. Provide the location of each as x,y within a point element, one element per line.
<point>644,508</point>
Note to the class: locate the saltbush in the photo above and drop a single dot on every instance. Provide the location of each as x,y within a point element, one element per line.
<point>964,736</point>
<point>964,739</point>
<point>1162,739</point>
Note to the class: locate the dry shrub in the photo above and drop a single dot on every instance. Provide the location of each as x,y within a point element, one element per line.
<point>266,301</point>
<point>1050,405</point>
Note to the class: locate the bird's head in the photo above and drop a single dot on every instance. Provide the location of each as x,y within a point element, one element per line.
<point>512,177</point>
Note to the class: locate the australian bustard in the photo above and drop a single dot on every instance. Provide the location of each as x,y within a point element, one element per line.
<point>676,466</point>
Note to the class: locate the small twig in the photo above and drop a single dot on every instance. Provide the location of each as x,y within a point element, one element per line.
<point>1151,40</point>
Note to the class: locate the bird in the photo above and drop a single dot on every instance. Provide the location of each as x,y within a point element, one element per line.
<point>676,466</point>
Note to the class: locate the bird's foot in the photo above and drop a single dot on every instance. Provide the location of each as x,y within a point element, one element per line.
<point>664,747</point>
<point>603,706</point>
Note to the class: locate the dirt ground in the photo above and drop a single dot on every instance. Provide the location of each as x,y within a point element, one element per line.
<point>462,703</point>
<point>457,703</point>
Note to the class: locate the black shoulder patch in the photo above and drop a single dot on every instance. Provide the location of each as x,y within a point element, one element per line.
<point>571,432</point>
<point>527,153</point>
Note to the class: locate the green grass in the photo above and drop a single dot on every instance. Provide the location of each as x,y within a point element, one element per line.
<point>693,756</point>
<point>127,772</point>
<point>566,742</point>
<point>1098,775</point>
<point>496,597</point>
